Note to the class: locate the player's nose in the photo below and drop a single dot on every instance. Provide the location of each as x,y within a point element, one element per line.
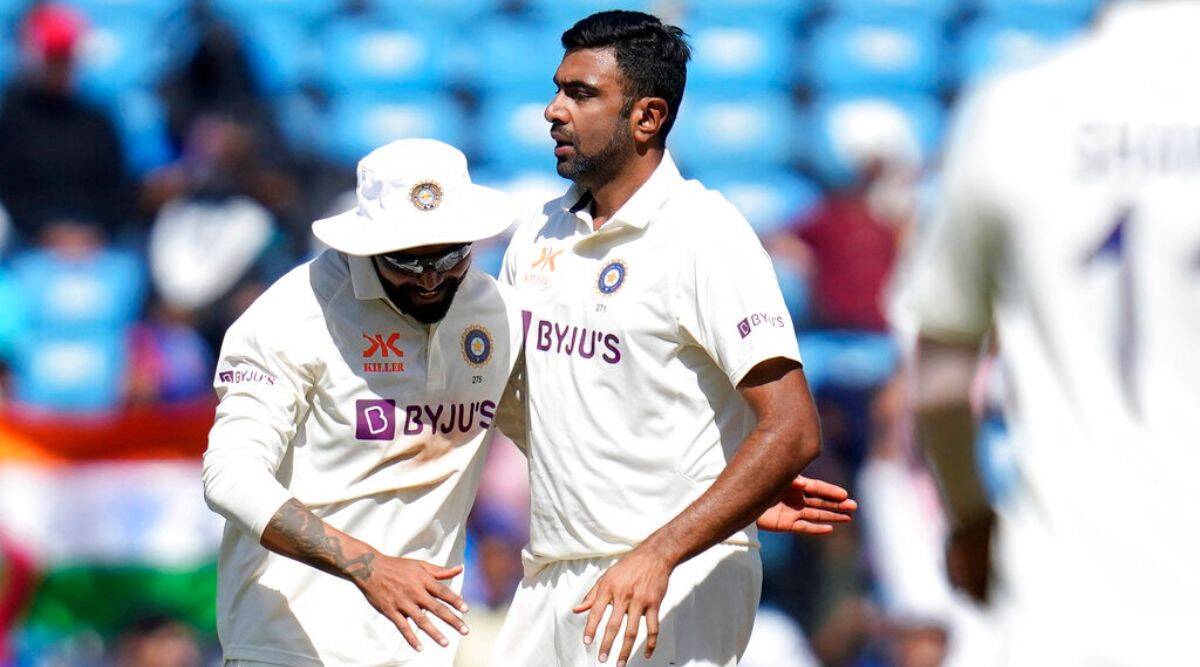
<point>429,280</point>
<point>555,114</point>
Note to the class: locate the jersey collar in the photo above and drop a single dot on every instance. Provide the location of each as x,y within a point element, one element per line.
<point>641,207</point>
<point>365,280</point>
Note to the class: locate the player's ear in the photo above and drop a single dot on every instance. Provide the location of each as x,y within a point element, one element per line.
<point>647,118</point>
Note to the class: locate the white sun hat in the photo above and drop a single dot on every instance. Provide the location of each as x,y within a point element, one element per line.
<point>416,192</point>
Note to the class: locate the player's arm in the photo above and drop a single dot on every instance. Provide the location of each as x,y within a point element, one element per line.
<point>399,588</point>
<point>785,440</point>
<point>946,432</point>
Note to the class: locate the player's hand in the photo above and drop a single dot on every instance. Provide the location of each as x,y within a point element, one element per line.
<point>404,589</point>
<point>809,507</point>
<point>634,587</point>
<point>969,557</point>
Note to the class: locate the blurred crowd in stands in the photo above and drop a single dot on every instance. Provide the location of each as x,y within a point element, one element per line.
<point>160,162</point>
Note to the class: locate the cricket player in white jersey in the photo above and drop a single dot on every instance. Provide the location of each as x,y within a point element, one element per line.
<point>355,396</point>
<point>1070,225</point>
<point>665,401</point>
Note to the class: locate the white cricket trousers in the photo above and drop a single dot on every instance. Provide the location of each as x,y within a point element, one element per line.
<point>705,619</point>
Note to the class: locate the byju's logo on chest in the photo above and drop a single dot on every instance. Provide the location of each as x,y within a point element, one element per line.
<point>375,419</point>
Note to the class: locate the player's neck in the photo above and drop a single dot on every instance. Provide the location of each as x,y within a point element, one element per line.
<point>610,196</point>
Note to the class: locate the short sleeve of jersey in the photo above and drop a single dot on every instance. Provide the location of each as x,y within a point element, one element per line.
<point>951,291</point>
<point>731,304</point>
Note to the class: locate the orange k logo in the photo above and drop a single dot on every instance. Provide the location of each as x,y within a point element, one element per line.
<point>546,259</point>
<point>377,343</point>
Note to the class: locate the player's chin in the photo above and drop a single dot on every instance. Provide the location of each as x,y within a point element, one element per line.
<point>566,167</point>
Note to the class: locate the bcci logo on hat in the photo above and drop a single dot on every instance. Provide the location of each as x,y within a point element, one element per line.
<point>476,345</point>
<point>611,277</point>
<point>425,196</point>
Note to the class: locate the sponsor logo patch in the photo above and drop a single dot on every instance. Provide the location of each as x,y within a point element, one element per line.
<point>574,341</point>
<point>375,419</point>
<point>752,322</point>
<point>383,346</point>
<point>246,376</point>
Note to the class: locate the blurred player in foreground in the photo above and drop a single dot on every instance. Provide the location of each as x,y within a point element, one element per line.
<point>1070,225</point>
<point>665,401</point>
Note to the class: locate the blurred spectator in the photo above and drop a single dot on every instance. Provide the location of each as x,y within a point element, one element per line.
<point>170,361</point>
<point>211,257</point>
<point>59,157</point>
<point>158,641</point>
<point>228,132</point>
<point>848,246</point>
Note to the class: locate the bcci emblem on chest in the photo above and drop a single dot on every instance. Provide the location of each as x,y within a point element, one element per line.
<point>476,345</point>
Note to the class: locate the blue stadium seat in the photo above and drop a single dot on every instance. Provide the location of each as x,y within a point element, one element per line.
<point>358,125</point>
<point>779,11</point>
<point>12,316</point>
<point>515,133</point>
<point>869,56</point>
<point>111,11</point>
<point>1076,11</point>
<point>847,129</point>
<point>530,69</point>
<point>279,54</point>
<point>770,199</point>
<point>847,359</point>
<point>362,54</point>
<point>993,44</point>
<point>73,373</point>
<point>739,55</point>
<point>450,12</point>
<point>756,130</point>
<point>118,56</point>
<point>141,120</point>
<point>562,14</point>
<point>305,13</point>
<point>10,10</point>
<point>929,10</point>
<point>80,295</point>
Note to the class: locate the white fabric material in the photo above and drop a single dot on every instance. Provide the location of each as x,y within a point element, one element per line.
<point>1069,222</point>
<point>631,401</point>
<point>387,219</point>
<point>705,619</point>
<point>198,249</point>
<point>328,395</point>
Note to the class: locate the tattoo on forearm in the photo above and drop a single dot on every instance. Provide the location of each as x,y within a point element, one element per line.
<point>305,534</point>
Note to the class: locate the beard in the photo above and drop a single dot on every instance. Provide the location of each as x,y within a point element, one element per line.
<point>601,166</point>
<point>428,313</point>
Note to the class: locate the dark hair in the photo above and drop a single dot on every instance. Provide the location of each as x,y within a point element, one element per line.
<point>651,55</point>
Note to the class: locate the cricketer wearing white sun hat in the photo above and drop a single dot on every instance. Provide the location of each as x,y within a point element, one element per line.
<point>342,411</point>
<point>412,193</point>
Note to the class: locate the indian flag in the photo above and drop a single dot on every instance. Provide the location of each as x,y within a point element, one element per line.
<point>104,522</point>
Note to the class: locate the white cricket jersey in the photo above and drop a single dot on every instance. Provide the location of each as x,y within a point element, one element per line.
<point>1070,220</point>
<point>637,337</point>
<point>371,419</point>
